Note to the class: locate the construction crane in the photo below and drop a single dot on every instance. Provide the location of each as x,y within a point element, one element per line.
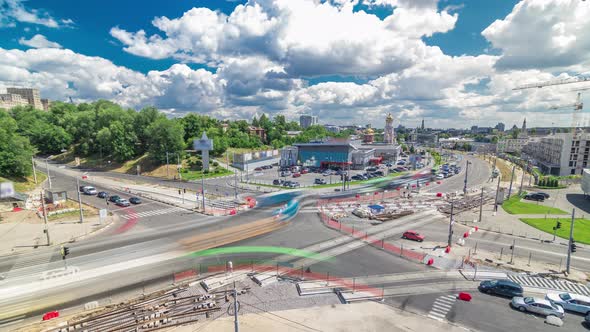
<point>577,107</point>
<point>571,80</point>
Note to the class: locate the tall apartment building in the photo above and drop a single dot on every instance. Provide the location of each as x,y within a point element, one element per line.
<point>31,95</point>
<point>308,121</point>
<point>560,154</point>
<point>10,100</point>
<point>46,104</point>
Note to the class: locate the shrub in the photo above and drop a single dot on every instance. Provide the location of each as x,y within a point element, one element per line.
<point>215,164</point>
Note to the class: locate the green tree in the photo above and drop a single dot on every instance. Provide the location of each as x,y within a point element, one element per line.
<point>15,150</point>
<point>123,139</point>
<point>165,135</point>
<point>143,120</point>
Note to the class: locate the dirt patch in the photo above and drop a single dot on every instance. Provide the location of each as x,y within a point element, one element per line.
<point>31,216</point>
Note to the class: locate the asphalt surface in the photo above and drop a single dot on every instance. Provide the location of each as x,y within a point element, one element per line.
<point>485,313</point>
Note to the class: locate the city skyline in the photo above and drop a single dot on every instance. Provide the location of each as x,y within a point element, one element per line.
<point>237,59</point>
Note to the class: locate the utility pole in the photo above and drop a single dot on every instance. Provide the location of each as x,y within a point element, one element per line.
<point>167,168</point>
<point>451,225</point>
<point>178,166</point>
<point>47,170</point>
<point>569,245</point>
<point>236,324</point>
<point>497,192</point>
<point>465,182</point>
<point>522,179</point>
<point>236,184</point>
<point>480,204</point>
<point>203,189</point>
<point>79,200</point>
<point>45,217</point>
<point>512,254</point>
<point>511,178</point>
<point>34,169</point>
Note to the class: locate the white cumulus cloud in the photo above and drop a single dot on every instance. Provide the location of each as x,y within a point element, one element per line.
<point>38,41</point>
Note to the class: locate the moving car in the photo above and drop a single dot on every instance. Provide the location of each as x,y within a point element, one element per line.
<point>114,198</point>
<point>122,202</point>
<point>571,302</point>
<point>103,194</point>
<point>258,169</point>
<point>88,190</point>
<point>304,171</point>
<point>296,175</point>
<point>413,235</point>
<point>546,195</point>
<point>319,181</point>
<point>537,305</point>
<point>502,287</point>
<point>535,197</point>
<point>135,200</point>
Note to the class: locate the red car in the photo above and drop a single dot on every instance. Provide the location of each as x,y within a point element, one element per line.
<point>304,171</point>
<point>413,235</point>
<point>296,175</point>
<point>258,169</point>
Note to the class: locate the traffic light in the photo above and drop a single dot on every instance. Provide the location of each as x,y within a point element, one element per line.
<point>179,191</point>
<point>573,246</point>
<point>558,225</point>
<point>64,252</point>
<point>184,190</point>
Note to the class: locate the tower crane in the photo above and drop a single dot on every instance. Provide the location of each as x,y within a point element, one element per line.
<point>577,109</point>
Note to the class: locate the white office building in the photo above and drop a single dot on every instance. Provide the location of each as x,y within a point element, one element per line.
<point>308,121</point>
<point>560,154</point>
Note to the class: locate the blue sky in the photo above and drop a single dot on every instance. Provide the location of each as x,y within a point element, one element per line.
<point>448,61</point>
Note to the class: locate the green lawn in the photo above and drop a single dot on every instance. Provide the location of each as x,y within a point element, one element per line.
<point>515,206</point>
<point>197,175</point>
<point>25,184</point>
<point>581,227</point>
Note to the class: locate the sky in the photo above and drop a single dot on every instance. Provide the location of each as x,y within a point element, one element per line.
<point>452,63</point>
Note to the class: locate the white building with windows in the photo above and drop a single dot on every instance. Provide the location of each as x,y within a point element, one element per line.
<point>308,121</point>
<point>560,154</point>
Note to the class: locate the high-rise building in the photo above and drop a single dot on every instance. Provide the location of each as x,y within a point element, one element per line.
<point>46,104</point>
<point>10,100</point>
<point>31,95</point>
<point>388,132</point>
<point>306,121</point>
<point>500,126</point>
<point>422,126</point>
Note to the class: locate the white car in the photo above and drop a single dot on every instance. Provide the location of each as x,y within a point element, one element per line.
<point>537,305</point>
<point>440,177</point>
<point>571,302</point>
<point>88,190</point>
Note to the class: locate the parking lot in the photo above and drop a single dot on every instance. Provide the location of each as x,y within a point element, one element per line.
<point>307,177</point>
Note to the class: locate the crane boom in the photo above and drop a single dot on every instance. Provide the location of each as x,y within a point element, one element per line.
<point>576,79</point>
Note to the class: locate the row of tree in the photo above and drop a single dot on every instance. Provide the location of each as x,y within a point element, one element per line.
<point>106,130</point>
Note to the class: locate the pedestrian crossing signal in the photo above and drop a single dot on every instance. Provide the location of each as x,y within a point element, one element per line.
<point>573,246</point>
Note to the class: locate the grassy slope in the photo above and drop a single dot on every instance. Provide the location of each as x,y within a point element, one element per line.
<point>25,184</point>
<point>581,227</point>
<point>515,206</point>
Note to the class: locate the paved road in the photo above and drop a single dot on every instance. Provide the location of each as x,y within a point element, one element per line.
<point>484,313</point>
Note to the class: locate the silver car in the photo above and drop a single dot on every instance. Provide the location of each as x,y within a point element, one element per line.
<point>571,302</point>
<point>537,305</point>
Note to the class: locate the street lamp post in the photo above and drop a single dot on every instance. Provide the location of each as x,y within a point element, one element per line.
<point>451,225</point>
<point>465,182</point>
<point>47,170</point>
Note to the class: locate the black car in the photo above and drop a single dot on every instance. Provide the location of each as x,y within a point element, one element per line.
<point>379,173</point>
<point>114,198</point>
<point>535,197</point>
<point>546,195</point>
<point>277,182</point>
<point>501,287</point>
<point>103,194</point>
<point>135,200</point>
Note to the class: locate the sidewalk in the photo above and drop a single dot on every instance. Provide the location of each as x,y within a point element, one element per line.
<point>358,317</point>
<point>22,237</point>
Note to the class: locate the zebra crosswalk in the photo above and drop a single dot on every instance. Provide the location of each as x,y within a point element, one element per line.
<point>134,215</point>
<point>441,307</point>
<point>557,285</point>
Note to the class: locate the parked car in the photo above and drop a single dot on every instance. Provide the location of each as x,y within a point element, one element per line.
<point>389,164</point>
<point>572,302</point>
<point>258,169</point>
<point>286,183</point>
<point>277,182</point>
<point>114,198</point>
<point>294,184</point>
<point>537,305</point>
<point>357,177</point>
<point>135,200</point>
<point>440,177</point>
<point>535,197</point>
<point>88,190</point>
<point>502,287</point>
<point>379,173</point>
<point>371,169</point>
<point>103,194</point>
<point>286,173</point>
<point>587,320</point>
<point>546,195</point>
<point>122,202</point>
<point>413,235</point>
<point>296,175</point>
<point>319,181</point>
<point>304,171</point>
<point>327,173</point>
